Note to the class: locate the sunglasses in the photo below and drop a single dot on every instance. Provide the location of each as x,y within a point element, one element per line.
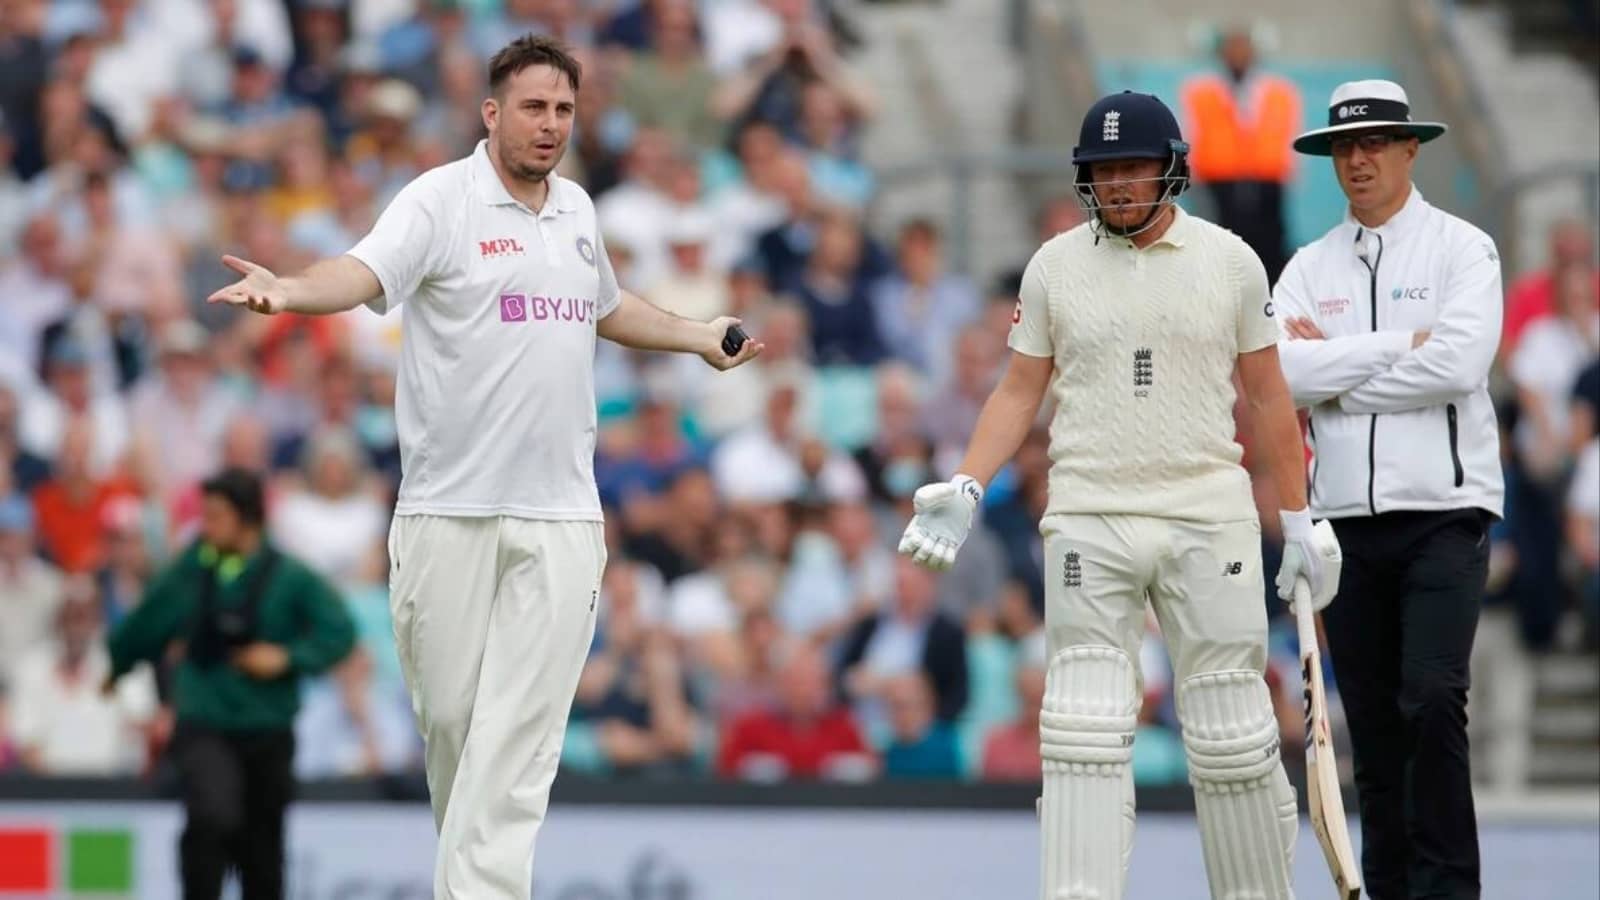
<point>1369,143</point>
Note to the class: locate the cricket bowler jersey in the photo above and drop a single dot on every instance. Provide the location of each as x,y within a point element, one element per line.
<point>1144,344</point>
<point>495,397</point>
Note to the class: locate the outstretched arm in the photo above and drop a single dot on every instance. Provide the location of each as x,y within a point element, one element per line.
<point>327,287</point>
<point>1007,416</point>
<point>636,322</point>
<point>944,510</point>
<point>381,270</point>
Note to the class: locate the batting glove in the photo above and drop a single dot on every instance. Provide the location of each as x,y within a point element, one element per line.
<point>943,516</point>
<point>1309,552</point>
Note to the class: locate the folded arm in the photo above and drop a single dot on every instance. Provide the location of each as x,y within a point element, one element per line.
<point>1319,370</point>
<point>1455,358</point>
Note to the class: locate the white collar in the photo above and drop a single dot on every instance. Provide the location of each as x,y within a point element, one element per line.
<point>493,191</point>
<point>1403,220</point>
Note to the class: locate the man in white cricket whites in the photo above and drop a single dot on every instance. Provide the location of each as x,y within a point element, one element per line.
<point>1391,323</point>
<point>1136,322</point>
<point>497,547</point>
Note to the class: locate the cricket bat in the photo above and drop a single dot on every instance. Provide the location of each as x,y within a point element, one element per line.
<point>1322,769</point>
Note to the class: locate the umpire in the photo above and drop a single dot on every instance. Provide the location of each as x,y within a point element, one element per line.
<point>251,622</point>
<point>1391,322</point>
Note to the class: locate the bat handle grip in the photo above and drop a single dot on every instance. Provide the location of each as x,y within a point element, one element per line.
<point>1305,616</point>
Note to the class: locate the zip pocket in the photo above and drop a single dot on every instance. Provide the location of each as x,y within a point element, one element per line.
<point>1455,452</point>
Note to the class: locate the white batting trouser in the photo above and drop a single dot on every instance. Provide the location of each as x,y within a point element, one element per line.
<point>493,617</point>
<point>1205,583</point>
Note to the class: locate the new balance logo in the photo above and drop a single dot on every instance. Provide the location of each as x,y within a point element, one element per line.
<point>1071,570</point>
<point>1144,371</point>
<point>1232,568</point>
<point>1110,126</point>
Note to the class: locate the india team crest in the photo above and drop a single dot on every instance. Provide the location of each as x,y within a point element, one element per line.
<point>586,249</point>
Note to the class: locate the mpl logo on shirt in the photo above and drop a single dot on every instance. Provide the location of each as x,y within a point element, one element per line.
<point>1333,306</point>
<point>521,308</point>
<point>497,247</point>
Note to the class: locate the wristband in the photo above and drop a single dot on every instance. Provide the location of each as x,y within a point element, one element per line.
<point>969,486</point>
<point>1296,524</point>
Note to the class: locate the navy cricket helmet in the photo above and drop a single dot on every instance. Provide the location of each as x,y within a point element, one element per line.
<point>1130,125</point>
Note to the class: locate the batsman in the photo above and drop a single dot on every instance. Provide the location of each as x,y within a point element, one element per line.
<point>1136,322</point>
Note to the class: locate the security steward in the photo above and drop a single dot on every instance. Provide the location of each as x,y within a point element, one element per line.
<point>250,622</point>
<point>1391,321</point>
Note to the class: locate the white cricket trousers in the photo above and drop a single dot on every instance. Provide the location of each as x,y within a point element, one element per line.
<point>1204,582</point>
<point>492,617</point>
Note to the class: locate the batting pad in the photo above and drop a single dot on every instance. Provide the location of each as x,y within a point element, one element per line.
<point>1247,810</point>
<point>1091,705</point>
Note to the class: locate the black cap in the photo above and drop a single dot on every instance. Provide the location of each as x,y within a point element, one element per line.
<point>246,55</point>
<point>240,489</point>
<point>1128,125</point>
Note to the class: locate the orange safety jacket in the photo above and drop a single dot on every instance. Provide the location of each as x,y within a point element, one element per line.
<point>1244,136</point>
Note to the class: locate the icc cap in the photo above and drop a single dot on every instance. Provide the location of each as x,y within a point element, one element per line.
<point>1363,105</point>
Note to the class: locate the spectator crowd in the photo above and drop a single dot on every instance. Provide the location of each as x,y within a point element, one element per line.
<point>756,622</point>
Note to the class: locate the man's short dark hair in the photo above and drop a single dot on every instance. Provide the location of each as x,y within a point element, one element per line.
<point>532,50</point>
<point>920,227</point>
<point>240,489</point>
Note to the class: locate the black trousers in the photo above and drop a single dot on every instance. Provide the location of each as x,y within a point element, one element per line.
<point>1254,211</point>
<point>236,787</point>
<point>1400,632</point>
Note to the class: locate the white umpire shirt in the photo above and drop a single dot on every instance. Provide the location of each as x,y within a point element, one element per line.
<point>1145,343</point>
<point>1394,428</point>
<point>495,404</point>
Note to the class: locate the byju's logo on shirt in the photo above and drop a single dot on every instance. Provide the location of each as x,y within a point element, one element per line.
<point>1415,293</point>
<point>521,308</point>
<point>497,247</point>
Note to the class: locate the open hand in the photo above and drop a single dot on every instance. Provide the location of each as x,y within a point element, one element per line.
<point>259,290</point>
<point>942,517</point>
